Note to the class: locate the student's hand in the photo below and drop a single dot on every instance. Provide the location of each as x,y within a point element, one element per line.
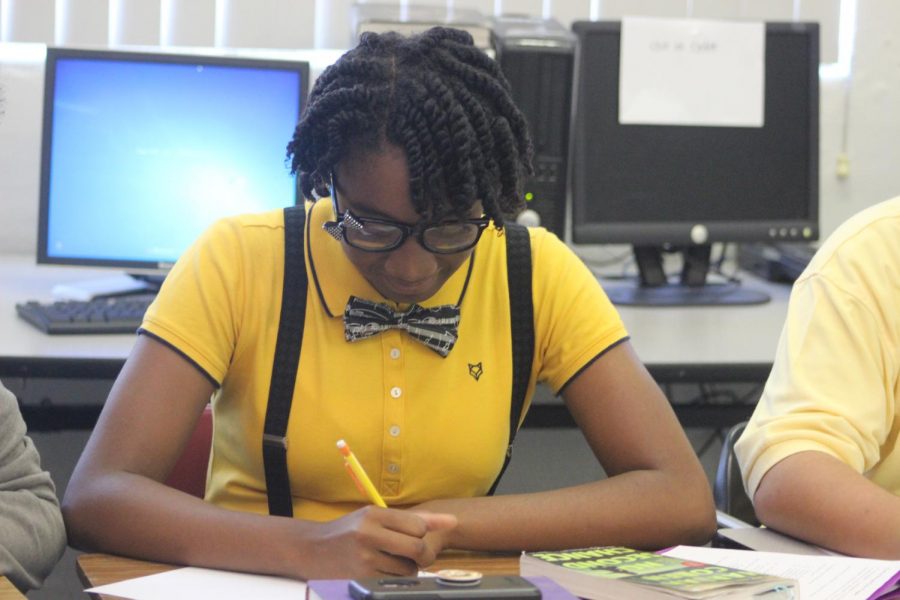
<point>375,541</point>
<point>442,525</point>
<point>439,527</point>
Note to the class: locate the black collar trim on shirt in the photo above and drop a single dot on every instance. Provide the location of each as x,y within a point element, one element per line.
<point>315,275</point>
<point>462,294</point>
<point>312,263</point>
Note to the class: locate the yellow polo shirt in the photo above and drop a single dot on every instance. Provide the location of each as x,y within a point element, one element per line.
<point>423,426</point>
<point>835,382</point>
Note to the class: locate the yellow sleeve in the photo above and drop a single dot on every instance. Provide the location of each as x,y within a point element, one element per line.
<point>198,307</point>
<point>575,321</point>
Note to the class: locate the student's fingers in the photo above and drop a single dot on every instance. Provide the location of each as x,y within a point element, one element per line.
<point>439,527</point>
<point>365,544</point>
<point>417,523</point>
<point>396,566</point>
<point>400,521</point>
<point>416,535</point>
<point>398,540</point>
<point>439,521</point>
<point>401,534</point>
<point>415,550</point>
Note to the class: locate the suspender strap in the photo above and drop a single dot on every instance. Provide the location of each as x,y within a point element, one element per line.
<point>521,314</point>
<point>284,367</point>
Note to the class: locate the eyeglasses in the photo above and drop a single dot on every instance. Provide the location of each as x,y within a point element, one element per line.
<point>383,235</point>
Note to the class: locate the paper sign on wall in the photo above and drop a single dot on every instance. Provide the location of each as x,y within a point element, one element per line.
<point>692,72</point>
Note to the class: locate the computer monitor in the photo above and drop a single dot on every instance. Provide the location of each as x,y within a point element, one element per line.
<point>682,188</point>
<point>142,151</point>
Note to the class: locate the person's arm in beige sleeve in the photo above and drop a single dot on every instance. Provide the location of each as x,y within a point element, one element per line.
<point>820,455</point>
<point>816,497</point>
<point>32,536</point>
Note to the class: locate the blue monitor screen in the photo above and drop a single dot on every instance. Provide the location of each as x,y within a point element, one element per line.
<point>142,152</point>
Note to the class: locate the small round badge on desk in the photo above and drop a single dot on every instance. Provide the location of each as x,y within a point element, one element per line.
<point>458,577</point>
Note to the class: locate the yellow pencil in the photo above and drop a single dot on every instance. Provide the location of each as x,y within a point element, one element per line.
<point>359,474</point>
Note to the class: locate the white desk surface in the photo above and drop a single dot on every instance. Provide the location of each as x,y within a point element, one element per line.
<point>710,335</point>
<point>22,280</point>
<point>717,336</point>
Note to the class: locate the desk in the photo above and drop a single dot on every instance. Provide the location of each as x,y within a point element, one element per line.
<point>27,352</point>
<point>683,344</point>
<point>101,569</point>
<point>8,591</point>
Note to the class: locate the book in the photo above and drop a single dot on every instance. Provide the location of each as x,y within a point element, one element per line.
<point>614,572</point>
<point>336,589</point>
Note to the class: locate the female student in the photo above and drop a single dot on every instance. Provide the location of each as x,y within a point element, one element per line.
<point>406,353</point>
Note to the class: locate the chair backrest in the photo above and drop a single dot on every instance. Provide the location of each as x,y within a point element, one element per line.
<point>728,488</point>
<point>189,473</point>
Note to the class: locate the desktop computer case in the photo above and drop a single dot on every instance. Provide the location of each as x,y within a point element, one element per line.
<point>537,57</point>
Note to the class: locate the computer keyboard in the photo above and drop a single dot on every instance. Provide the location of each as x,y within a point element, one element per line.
<point>796,254</point>
<point>779,262</point>
<point>115,314</point>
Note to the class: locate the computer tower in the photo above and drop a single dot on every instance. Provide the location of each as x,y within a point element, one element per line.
<point>417,17</point>
<point>537,57</point>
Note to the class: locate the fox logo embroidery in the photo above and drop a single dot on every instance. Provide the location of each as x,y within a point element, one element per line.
<point>475,370</point>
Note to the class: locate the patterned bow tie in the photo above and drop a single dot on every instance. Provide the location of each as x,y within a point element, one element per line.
<point>435,327</point>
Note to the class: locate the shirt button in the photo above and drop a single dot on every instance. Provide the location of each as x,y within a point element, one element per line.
<point>394,430</point>
<point>395,353</point>
<point>393,468</point>
<point>396,392</point>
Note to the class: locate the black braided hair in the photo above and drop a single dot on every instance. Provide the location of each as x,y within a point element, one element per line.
<point>442,101</point>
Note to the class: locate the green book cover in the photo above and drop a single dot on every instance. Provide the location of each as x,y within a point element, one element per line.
<point>681,578</point>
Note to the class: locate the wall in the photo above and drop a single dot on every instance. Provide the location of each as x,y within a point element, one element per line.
<point>856,112</point>
<point>863,110</point>
<point>21,88</point>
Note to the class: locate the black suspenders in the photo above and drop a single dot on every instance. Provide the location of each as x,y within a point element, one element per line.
<point>521,320</point>
<point>284,367</point>
<point>290,339</point>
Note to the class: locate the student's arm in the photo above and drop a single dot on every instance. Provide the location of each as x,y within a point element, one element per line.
<point>814,496</point>
<point>828,410</point>
<point>657,494</point>
<point>32,537</point>
<point>115,503</point>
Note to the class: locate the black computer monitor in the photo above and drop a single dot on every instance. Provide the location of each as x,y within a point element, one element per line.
<point>141,152</point>
<point>661,187</point>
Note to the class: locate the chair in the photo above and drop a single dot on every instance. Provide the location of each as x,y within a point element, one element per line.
<point>189,473</point>
<point>728,488</point>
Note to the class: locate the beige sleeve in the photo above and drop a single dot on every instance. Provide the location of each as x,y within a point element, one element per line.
<point>831,385</point>
<point>32,536</point>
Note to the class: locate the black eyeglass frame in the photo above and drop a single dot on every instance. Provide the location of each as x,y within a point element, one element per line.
<point>344,220</point>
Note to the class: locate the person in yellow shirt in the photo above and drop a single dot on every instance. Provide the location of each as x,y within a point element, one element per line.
<point>820,457</point>
<point>416,152</point>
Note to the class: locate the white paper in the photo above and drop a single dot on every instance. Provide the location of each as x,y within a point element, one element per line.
<point>192,583</point>
<point>820,577</point>
<point>764,539</point>
<point>692,72</point>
